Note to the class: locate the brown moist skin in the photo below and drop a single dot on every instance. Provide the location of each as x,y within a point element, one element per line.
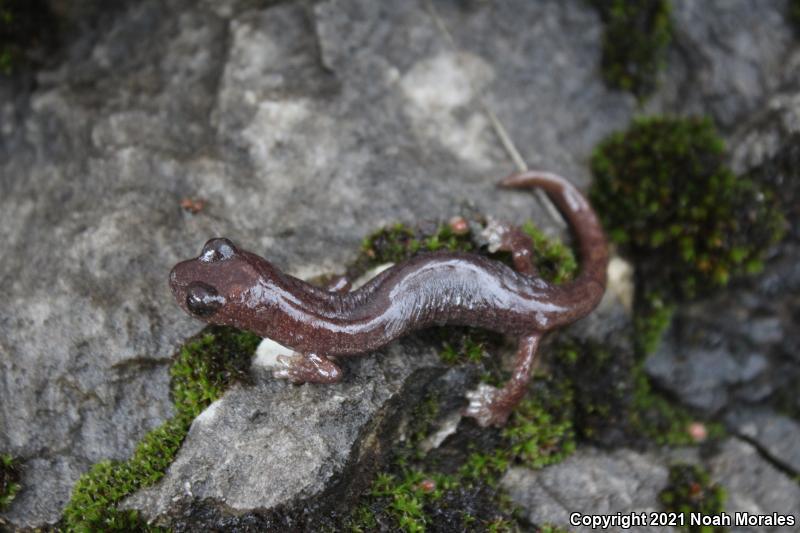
<point>225,285</point>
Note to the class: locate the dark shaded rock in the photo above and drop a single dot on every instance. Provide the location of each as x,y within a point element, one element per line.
<point>593,481</point>
<point>753,485</point>
<point>775,435</point>
<point>590,482</point>
<point>727,57</point>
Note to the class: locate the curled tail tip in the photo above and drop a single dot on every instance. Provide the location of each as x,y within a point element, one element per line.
<point>528,178</point>
<point>514,180</point>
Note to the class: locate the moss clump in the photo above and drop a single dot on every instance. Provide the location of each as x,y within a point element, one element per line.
<point>635,42</point>
<point>653,316</point>
<point>687,222</point>
<point>553,259</point>
<point>690,491</point>
<point>203,368</point>
<point>399,242</point>
<point>540,431</point>
<point>414,499</point>
<point>9,480</point>
<point>666,196</point>
<point>468,349</point>
<point>408,496</point>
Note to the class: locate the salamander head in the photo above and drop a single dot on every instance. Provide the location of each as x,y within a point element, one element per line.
<point>216,286</point>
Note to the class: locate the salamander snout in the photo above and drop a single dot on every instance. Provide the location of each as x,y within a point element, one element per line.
<point>201,285</point>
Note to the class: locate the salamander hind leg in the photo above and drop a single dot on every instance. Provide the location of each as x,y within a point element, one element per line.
<point>491,406</point>
<point>507,238</point>
<point>307,368</point>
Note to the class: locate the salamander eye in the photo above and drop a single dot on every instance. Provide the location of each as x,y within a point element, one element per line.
<point>203,300</point>
<point>217,250</point>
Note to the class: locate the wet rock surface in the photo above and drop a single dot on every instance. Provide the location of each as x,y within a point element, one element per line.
<point>299,125</point>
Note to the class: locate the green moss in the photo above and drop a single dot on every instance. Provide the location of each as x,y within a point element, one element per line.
<point>207,365</point>
<point>486,466</point>
<point>653,316</point>
<point>416,499</point>
<point>9,480</point>
<point>468,349</point>
<point>554,260</point>
<point>408,496</point>
<point>362,520</point>
<point>203,368</point>
<point>667,198</point>
<point>690,491</point>
<point>540,431</point>
<point>637,34</point>
<point>399,242</point>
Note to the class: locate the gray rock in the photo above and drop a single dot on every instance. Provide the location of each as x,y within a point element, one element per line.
<point>701,376</point>
<point>726,58</point>
<point>271,444</point>
<point>753,485</point>
<point>773,434</point>
<point>594,481</point>
<point>590,482</point>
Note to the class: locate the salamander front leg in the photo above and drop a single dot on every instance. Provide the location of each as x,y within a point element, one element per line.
<point>491,406</point>
<point>307,368</point>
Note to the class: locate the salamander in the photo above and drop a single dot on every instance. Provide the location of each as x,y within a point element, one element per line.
<point>229,285</point>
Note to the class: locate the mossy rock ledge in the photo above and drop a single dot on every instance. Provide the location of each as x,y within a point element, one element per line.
<point>274,451</point>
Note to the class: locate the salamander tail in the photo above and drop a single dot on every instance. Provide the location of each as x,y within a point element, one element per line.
<point>589,286</point>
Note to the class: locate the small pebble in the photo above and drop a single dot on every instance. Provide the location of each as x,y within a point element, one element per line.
<point>459,225</point>
<point>697,431</point>
<point>427,485</point>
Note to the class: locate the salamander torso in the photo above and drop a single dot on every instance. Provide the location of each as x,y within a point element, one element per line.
<point>225,285</point>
